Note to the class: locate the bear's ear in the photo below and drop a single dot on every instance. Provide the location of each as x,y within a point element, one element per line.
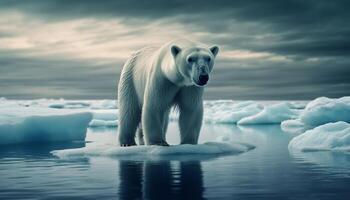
<point>175,50</point>
<point>214,50</point>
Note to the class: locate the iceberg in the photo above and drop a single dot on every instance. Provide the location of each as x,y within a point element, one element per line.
<point>271,114</point>
<point>251,112</point>
<point>220,112</point>
<point>208,148</point>
<point>327,137</point>
<point>294,126</point>
<point>20,124</point>
<point>321,111</point>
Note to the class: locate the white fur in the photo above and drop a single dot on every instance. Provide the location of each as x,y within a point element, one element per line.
<point>155,79</point>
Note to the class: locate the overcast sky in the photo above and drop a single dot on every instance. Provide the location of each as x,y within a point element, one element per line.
<point>268,49</point>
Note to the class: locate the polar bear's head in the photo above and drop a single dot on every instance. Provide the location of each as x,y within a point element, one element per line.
<point>194,64</point>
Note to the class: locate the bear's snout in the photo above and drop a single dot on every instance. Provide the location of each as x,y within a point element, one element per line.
<point>203,79</point>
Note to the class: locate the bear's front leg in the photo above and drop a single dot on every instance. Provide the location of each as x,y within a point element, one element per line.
<point>152,122</point>
<point>190,123</point>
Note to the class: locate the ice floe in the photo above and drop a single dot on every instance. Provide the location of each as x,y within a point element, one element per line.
<point>105,112</point>
<point>328,137</point>
<point>321,111</point>
<point>229,112</point>
<point>20,124</point>
<point>272,114</point>
<point>105,118</point>
<point>208,148</point>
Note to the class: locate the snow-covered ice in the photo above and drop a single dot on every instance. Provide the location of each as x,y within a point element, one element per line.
<point>20,124</point>
<point>327,120</point>
<point>295,116</point>
<point>104,104</point>
<point>215,140</point>
<point>272,114</point>
<point>229,111</point>
<point>327,137</point>
<point>105,118</point>
<point>294,126</point>
<point>250,112</point>
<point>105,112</point>
<point>209,148</point>
<point>321,111</point>
<point>103,123</point>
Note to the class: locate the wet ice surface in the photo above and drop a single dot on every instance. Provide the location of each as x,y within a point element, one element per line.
<point>268,171</point>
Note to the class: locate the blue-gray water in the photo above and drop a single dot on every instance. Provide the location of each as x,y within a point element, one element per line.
<point>268,171</point>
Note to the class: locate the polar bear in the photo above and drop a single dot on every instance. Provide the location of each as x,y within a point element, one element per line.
<point>155,79</point>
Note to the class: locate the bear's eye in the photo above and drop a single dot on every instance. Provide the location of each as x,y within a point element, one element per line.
<point>208,59</point>
<point>191,59</point>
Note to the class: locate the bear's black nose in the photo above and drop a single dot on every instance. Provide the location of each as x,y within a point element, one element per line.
<point>203,79</point>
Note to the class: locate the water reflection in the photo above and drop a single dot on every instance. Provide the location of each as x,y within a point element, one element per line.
<point>270,171</point>
<point>160,180</point>
<point>337,163</point>
<point>130,176</point>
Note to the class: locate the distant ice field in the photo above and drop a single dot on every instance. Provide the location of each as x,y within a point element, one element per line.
<point>53,120</point>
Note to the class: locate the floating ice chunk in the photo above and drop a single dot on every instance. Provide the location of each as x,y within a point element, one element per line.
<point>293,126</point>
<point>209,148</point>
<point>227,111</point>
<point>237,115</point>
<point>105,123</point>
<point>69,104</point>
<point>224,111</point>
<point>25,124</point>
<point>327,137</point>
<point>320,111</point>
<point>323,110</point>
<point>107,118</point>
<point>232,113</point>
<point>271,114</point>
<point>104,104</point>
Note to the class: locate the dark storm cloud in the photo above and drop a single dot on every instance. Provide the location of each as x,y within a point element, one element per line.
<point>312,36</point>
<point>31,77</point>
<point>269,80</point>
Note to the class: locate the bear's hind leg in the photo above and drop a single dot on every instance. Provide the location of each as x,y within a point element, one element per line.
<point>129,107</point>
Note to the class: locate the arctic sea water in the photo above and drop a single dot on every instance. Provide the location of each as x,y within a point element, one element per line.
<point>278,150</point>
<point>269,171</point>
